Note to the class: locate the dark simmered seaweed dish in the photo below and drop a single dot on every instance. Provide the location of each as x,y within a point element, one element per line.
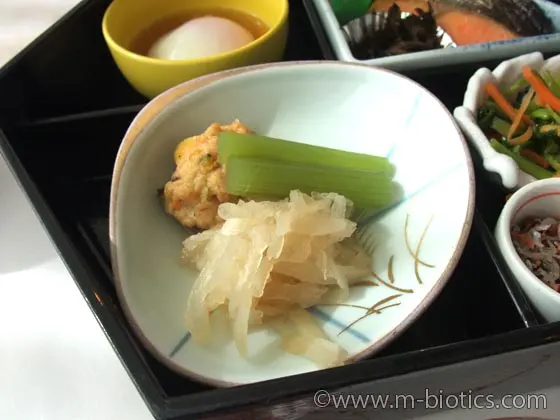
<point>381,34</point>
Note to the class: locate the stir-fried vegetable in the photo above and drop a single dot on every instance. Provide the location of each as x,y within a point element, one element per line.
<point>546,95</point>
<point>526,165</point>
<point>523,121</point>
<point>501,101</point>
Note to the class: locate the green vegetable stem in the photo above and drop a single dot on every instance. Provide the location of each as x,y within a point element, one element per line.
<point>541,114</point>
<point>247,176</point>
<point>500,126</point>
<point>525,165</point>
<point>248,145</point>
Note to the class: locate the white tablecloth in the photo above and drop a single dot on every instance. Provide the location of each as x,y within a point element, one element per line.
<point>55,362</point>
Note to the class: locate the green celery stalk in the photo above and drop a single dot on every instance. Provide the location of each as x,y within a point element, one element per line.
<point>500,126</point>
<point>541,114</point>
<point>517,86</point>
<point>551,154</point>
<point>524,164</point>
<point>555,116</point>
<point>532,107</point>
<point>484,117</point>
<point>492,107</point>
<point>554,162</point>
<point>248,145</point>
<point>545,77</point>
<point>552,83</point>
<point>258,177</point>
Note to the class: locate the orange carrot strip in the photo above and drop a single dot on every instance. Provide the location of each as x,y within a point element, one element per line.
<point>520,113</point>
<point>503,103</point>
<point>541,89</point>
<point>535,157</point>
<point>523,138</point>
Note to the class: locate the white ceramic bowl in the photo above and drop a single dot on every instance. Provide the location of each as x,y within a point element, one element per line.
<point>444,57</point>
<point>540,199</point>
<point>332,104</point>
<point>504,75</point>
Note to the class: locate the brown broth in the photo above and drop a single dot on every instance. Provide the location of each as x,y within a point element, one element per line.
<point>142,43</point>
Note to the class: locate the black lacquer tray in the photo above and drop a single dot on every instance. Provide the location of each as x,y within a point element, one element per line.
<point>64,108</point>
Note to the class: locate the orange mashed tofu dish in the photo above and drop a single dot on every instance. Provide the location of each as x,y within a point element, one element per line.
<point>197,186</point>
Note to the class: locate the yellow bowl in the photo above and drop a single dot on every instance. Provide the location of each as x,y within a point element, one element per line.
<point>125,20</point>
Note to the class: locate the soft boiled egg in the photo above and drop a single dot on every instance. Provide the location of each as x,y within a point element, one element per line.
<point>201,37</point>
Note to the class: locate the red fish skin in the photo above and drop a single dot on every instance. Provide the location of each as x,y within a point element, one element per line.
<point>468,28</point>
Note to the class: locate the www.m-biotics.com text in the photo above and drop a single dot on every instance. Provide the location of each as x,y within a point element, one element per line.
<point>431,400</point>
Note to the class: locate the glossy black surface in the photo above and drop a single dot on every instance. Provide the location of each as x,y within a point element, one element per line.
<point>67,111</point>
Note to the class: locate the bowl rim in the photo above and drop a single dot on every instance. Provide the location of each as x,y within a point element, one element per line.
<point>516,202</point>
<point>113,44</point>
<point>160,103</point>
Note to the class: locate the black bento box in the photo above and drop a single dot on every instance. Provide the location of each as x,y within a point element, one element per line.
<point>64,108</point>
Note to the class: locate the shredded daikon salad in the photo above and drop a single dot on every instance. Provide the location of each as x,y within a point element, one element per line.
<point>267,262</point>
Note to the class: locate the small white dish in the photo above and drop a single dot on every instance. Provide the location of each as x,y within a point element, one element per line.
<point>540,199</point>
<point>504,75</point>
<point>444,57</point>
<point>295,101</point>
